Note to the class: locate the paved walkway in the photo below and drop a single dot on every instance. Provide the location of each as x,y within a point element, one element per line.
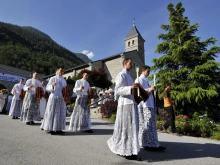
<point>28,145</point>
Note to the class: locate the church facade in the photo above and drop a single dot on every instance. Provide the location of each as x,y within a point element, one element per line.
<point>134,49</point>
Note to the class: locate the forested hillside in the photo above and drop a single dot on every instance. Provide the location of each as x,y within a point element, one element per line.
<point>30,49</point>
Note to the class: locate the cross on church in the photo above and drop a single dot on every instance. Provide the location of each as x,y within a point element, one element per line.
<point>133,21</point>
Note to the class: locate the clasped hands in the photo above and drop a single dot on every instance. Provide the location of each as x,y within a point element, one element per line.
<point>81,88</point>
<point>135,85</point>
<point>53,84</point>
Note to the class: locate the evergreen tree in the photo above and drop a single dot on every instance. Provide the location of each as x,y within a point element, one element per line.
<point>189,65</point>
<point>97,78</point>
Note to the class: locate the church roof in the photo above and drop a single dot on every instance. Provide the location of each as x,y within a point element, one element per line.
<point>69,70</point>
<point>133,33</point>
<point>112,57</point>
<point>118,55</point>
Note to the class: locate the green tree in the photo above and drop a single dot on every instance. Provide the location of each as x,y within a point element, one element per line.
<point>97,78</point>
<point>189,65</point>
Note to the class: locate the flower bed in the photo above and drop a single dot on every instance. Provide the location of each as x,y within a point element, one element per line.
<point>198,126</point>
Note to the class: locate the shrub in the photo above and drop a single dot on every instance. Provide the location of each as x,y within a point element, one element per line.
<point>159,123</point>
<point>112,118</point>
<point>198,126</point>
<point>70,107</point>
<point>162,114</point>
<point>216,132</point>
<point>109,108</point>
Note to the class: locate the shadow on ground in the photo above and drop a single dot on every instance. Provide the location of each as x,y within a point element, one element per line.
<point>95,123</point>
<point>96,132</point>
<point>176,150</point>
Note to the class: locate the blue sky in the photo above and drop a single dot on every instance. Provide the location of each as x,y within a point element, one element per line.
<point>100,26</point>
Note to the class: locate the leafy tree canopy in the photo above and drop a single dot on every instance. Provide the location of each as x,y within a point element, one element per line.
<point>97,78</point>
<point>188,64</point>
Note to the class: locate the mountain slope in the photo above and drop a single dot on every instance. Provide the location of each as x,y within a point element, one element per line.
<point>84,57</point>
<point>34,30</point>
<point>30,49</point>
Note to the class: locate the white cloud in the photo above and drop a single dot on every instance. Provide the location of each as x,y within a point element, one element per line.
<point>88,53</point>
<point>85,51</point>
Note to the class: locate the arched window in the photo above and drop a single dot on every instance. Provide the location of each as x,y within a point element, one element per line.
<point>129,43</point>
<point>132,42</point>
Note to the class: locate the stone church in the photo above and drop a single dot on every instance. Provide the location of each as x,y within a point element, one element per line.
<point>134,49</point>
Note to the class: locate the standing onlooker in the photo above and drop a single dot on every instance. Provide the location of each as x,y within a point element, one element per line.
<point>168,106</point>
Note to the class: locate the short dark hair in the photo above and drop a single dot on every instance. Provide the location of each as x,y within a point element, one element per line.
<point>21,79</point>
<point>145,67</point>
<point>125,61</point>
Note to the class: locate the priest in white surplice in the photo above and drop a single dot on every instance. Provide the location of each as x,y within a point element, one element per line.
<point>148,138</point>
<point>3,96</point>
<point>15,109</point>
<point>55,116</point>
<point>124,141</point>
<point>80,118</point>
<point>30,108</point>
<point>43,102</point>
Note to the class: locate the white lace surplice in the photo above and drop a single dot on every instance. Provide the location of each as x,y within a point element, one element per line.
<point>30,109</point>
<point>43,103</point>
<point>125,137</point>
<point>16,105</point>
<point>2,101</point>
<point>147,118</point>
<point>55,115</point>
<point>80,118</point>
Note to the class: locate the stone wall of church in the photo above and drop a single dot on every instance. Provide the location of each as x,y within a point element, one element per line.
<point>138,62</point>
<point>97,64</point>
<point>113,67</point>
<point>134,55</point>
<point>71,74</point>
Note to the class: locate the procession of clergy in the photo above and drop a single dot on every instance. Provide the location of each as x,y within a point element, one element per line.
<point>135,124</point>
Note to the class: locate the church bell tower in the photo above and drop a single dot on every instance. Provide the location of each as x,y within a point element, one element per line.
<point>134,41</point>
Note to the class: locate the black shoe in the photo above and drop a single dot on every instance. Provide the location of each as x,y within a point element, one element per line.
<point>160,148</point>
<point>60,132</point>
<point>148,148</point>
<point>13,117</point>
<point>88,131</point>
<point>52,132</point>
<point>42,129</point>
<point>28,123</point>
<point>16,118</point>
<point>32,123</point>
<point>173,131</point>
<point>133,157</point>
